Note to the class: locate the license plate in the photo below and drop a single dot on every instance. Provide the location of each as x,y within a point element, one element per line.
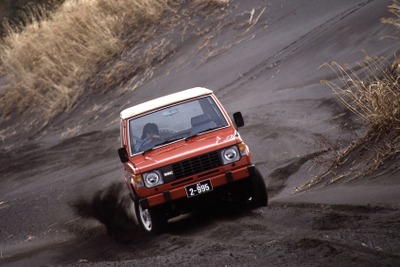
<point>199,188</point>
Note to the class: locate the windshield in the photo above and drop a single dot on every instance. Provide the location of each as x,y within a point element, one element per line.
<point>173,123</point>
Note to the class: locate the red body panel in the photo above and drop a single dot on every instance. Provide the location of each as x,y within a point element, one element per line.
<point>181,150</point>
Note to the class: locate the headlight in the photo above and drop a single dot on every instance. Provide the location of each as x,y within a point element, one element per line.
<point>230,154</point>
<point>152,179</point>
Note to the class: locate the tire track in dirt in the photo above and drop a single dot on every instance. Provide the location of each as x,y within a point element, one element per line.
<point>287,51</point>
<point>280,175</point>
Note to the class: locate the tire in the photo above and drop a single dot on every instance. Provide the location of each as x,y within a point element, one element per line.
<point>260,194</point>
<point>150,220</point>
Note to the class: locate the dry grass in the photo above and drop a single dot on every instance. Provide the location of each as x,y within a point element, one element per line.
<point>394,8</point>
<point>372,92</point>
<point>44,62</point>
<point>83,45</point>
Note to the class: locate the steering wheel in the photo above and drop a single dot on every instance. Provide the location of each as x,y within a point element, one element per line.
<point>150,143</point>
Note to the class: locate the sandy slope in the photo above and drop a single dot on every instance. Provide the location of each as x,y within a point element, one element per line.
<point>56,189</point>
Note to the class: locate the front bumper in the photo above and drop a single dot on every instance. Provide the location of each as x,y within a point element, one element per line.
<point>217,181</point>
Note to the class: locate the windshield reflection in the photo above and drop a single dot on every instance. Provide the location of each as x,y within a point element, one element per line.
<point>174,123</point>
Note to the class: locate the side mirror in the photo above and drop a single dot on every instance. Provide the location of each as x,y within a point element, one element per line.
<point>238,119</point>
<point>123,155</point>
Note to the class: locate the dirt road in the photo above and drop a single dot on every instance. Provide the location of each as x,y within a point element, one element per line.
<point>62,196</point>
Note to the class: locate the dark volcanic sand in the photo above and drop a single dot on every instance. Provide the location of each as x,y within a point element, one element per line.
<point>62,194</point>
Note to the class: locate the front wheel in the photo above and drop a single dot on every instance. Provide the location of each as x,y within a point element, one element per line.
<point>260,194</point>
<point>151,220</point>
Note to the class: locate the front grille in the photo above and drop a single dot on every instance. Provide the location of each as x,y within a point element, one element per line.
<point>196,165</point>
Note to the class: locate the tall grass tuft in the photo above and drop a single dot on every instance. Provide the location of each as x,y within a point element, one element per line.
<point>371,90</point>
<point>43,62</point>
<point>372,93</point>
<point>394,8</point>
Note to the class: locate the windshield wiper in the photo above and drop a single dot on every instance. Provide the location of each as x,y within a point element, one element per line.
<point>170,141</point>
<point>176,139</point>
<point>147,150</point>
<point>162,143</point>
<point>196,134</point>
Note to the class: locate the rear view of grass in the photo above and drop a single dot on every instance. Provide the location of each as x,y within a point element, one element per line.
<point>43,63</point>
<point>373,93</point>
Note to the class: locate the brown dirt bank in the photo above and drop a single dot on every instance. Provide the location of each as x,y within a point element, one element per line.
<point>60,194</point>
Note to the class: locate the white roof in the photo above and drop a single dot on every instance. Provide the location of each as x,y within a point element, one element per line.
<point>164,101</point>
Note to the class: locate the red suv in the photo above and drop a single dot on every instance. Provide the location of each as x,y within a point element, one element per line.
<point>182,151</point>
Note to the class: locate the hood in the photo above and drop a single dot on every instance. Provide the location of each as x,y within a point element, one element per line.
<point>185,149</point>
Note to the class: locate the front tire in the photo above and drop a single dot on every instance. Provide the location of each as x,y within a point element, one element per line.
<point>260,194</point>
<point>150,220</point>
